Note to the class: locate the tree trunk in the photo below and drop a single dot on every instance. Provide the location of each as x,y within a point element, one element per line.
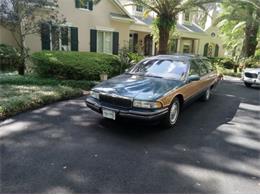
<point>23,51</point>
<point>164,34</point>
<point>250,41</point>
<point>21,66</point>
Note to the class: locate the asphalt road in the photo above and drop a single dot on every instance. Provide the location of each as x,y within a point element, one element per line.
<point>66,148</point>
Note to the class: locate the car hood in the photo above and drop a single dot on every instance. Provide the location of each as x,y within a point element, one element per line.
<point>138,87</point>
<point>252,70</point>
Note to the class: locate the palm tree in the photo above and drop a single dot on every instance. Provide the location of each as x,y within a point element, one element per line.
<point>167,11</point>
<point>241,18</point>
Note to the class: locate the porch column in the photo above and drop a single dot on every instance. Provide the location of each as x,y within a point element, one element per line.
<point>153,48</point>
<point>179,46</point>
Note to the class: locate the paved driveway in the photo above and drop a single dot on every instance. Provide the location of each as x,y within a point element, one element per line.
<point>66,148</point>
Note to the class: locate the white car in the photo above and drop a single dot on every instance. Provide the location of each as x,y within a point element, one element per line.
<point>251,76</point>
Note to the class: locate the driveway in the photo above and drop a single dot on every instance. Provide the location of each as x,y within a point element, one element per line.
<point>66,148</point>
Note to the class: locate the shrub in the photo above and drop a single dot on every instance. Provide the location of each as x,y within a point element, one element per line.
<point>135,57</point>
<point>253,62</point>
<point>74,65</point>
<point>128,59</point>
<point>9,58</point>
<point>227,63</point>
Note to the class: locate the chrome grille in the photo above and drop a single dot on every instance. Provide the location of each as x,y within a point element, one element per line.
<point>117,101</point>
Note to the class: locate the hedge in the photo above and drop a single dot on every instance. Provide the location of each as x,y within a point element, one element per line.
<point>9,58</point>
<point>75,65</point>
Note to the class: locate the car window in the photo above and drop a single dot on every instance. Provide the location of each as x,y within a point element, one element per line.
<point>209,65</point>
<point>202,67</point>
<point>194,68</point>
<point>165,68</point>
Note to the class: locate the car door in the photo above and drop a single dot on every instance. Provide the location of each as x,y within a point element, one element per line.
<point>212,73</point>
<point>192,87</point>
<point>204,75</point>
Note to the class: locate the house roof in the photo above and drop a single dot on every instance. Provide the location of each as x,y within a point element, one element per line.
<point>144,20</point>
<point>193,28</point>
<point>117,16</point>
<point>122,8</point>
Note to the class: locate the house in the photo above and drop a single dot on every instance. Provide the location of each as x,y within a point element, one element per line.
<point>114,24</point>
<point>190,36</point>
<point>97,28</point>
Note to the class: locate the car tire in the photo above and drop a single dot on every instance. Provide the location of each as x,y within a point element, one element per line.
<point>248,84</point>
<point>173,114</point>
<point>206,95</point>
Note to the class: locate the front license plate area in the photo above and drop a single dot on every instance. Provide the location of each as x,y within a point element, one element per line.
<point>109,114</point>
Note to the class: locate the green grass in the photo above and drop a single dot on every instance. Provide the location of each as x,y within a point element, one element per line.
<point>22,93</point>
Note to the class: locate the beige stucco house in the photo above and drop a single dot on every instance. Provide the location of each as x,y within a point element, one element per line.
<point>114,24</point>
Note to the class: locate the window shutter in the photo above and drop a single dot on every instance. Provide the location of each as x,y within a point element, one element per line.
<point>90,4</point>
<point>115,42</point>
<point>77,3</point>
<point>45,36</point>
<point>93,40</point>
<point>74,39</point>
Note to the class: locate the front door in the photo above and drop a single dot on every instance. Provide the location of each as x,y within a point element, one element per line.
<point>148,45</point>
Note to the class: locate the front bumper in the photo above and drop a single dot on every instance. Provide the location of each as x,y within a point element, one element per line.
<point>141,114</point>
<point>251,80</point>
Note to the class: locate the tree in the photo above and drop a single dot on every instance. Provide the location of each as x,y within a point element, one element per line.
<point>240,19</point>
<point>167,11</point>
<point>23,18</point>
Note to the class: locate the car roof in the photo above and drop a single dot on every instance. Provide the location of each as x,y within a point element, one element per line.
<point>178,56</point>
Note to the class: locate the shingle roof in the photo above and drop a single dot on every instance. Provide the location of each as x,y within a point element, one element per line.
<point>190,28</point>
<point>183,27</point>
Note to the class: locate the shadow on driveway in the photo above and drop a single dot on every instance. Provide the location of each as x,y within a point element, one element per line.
<point>66,148</point>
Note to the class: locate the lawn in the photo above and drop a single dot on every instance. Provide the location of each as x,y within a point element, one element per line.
<point>22,93</point>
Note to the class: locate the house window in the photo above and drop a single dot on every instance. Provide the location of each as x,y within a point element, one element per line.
<point>105,42</point>
<point>84,4</point>
<point>186,49</point>
<point>187,16</point>
<point>57,38</point>
<point>139,8</point>
<point>60,38</point>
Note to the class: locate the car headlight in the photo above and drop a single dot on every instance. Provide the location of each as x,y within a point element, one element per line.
<point>146,104</point>
<point>94,94</point>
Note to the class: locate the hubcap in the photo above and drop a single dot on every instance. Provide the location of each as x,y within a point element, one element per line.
<point>174,113</point>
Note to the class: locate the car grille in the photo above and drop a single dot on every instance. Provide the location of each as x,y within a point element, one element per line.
<point>116,101</point>
<point>251,75</point>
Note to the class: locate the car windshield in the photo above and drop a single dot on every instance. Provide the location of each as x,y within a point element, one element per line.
<point>162,68</point>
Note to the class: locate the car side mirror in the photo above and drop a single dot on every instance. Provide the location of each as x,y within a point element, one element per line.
<point>193,78</point>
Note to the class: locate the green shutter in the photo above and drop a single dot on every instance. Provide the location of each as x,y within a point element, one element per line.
<point>115,42</point>
<point>77,3</point>
<point>74,39</point>
<point>90,4</point>
<point>45,36</point>
<point>93,40</point>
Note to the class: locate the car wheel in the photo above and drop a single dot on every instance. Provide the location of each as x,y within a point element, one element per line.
<point>206,95</point>
<point>248,84</point>
<point>173,114</point>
